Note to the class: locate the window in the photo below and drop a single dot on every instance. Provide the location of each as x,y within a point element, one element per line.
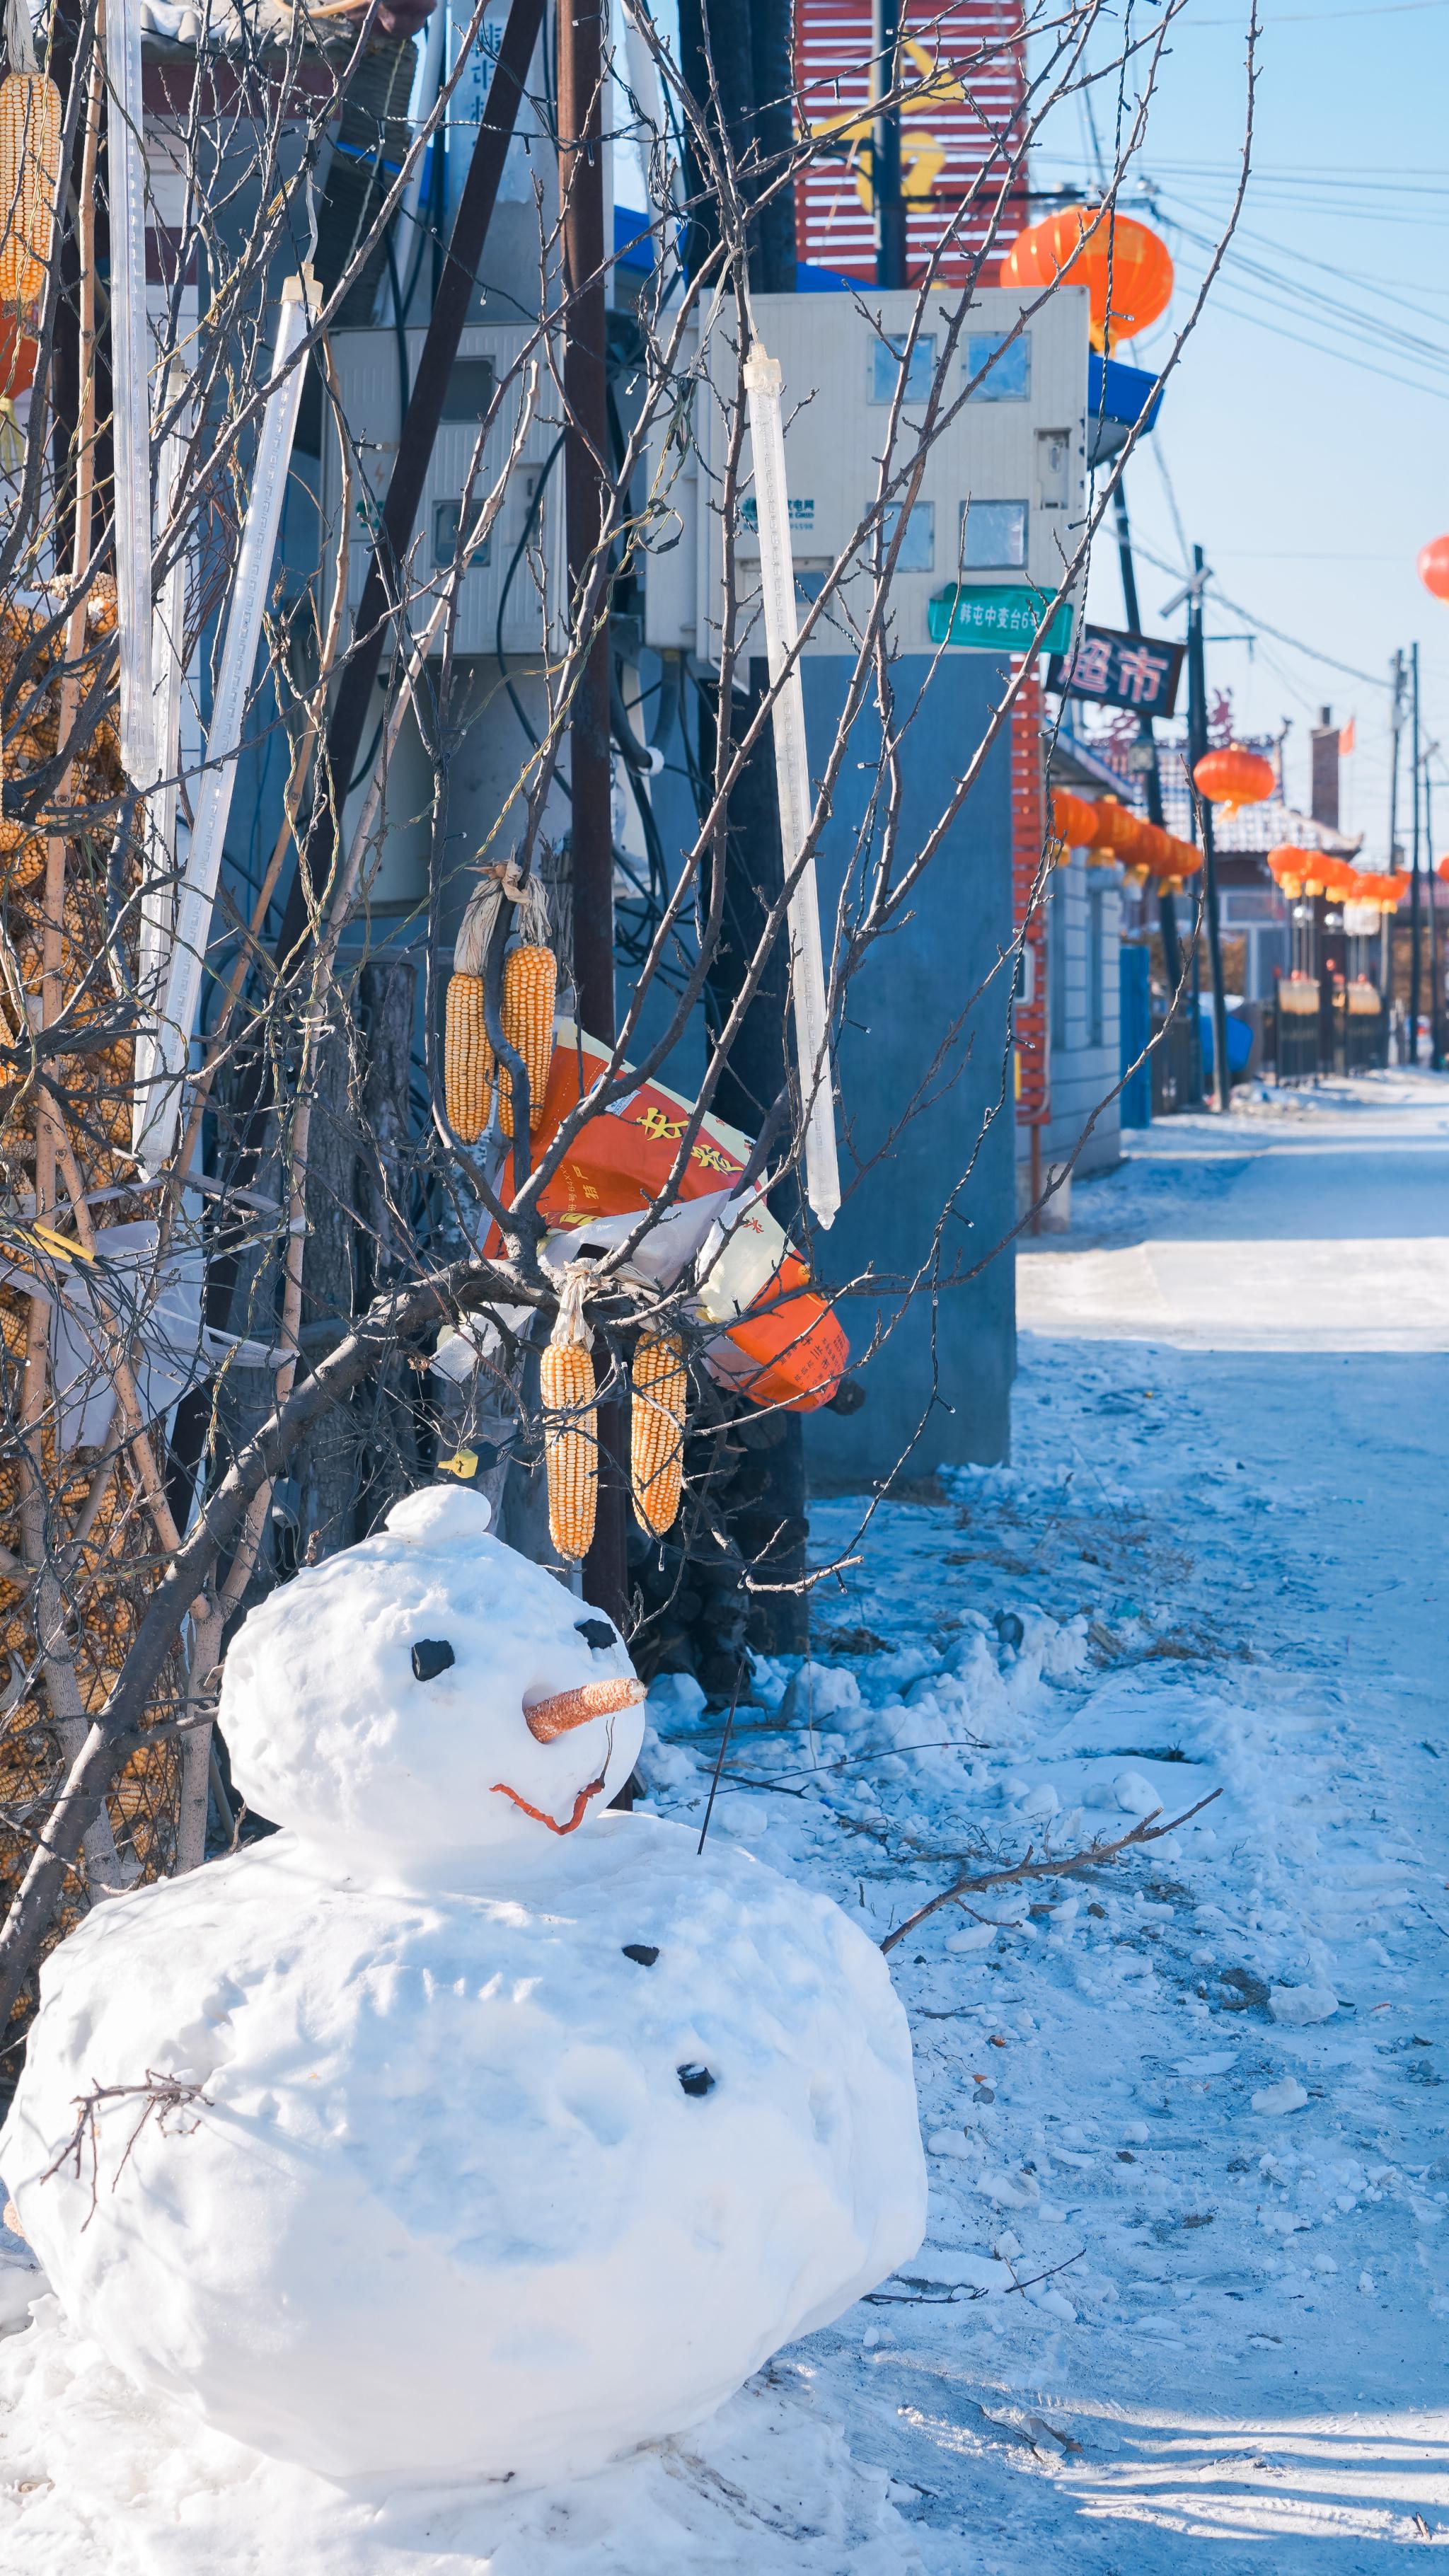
<point>1003,365</point>
<point>885,368</point>
<point>445,537</point>
<point>1096,964</point>
<point>918,545</point>
<point>469,389</point>
<point>993,536</point>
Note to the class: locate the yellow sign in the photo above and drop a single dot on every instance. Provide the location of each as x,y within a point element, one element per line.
<point>922,156</point>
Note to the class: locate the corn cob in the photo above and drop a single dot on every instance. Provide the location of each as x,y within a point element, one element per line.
<point>467,1058</point>
<point>656,1430</point>
<point>29,180</point>
<point>22,857</point>
<point>530,983</point>
<point>570,1424</point>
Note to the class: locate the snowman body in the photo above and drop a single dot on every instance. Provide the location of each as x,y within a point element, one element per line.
<point>504,2149</point>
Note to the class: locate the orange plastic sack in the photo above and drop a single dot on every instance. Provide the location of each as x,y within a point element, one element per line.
<point>788,1350</point>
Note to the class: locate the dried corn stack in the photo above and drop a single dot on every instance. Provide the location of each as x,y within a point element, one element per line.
<point>467,1058</point>
<point>29,167</point>
<point>656,1430</point>
<point>570,1423</point>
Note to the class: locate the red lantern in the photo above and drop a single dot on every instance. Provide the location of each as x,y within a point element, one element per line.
<point>1114,829</point>
<point>1072,819</point>
<point>1286,865</point>
<point>1092,246</point>
<point>1234,777</point>
<point>1434,566</point>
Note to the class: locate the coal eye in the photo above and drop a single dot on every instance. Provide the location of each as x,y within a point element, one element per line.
<point>596,1633</point>
<point>431,1656</point>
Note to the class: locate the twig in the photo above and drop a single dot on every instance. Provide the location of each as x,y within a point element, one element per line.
<point>724,1746</point>
<point>161,2094</point>
<point>1144,1831</point>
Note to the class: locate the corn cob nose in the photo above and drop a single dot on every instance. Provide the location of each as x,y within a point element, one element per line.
<point>568,1709</point>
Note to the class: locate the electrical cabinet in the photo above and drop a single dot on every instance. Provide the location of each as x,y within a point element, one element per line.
<point>1002,495</point>
<point>513,591</point>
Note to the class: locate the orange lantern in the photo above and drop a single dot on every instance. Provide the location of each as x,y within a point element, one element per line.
<point>1072,819</point>
<point>1442,870</point>
<point>1151,853</point>
<point>1234,777</point>
<point>1434,566</point>
<point>1114,830</point>
<point>1286,865</point>
<point>1183,860</point>
<point>1109,254</point>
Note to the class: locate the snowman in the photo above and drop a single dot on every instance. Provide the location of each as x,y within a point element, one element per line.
<point>463,2129</point>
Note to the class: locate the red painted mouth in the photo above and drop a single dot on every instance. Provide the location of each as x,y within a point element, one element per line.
<point>541,1816</point>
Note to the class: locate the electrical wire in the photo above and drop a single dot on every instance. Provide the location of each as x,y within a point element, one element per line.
<point>1350,670</point>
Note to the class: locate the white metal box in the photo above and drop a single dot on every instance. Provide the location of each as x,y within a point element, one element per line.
<point>1003,489</point>
<point>531,589</point>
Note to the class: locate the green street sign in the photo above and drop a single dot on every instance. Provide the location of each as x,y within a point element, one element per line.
<point>984,616</point>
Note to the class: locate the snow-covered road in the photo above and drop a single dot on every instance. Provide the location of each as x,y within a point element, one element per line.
<point>1185,2294</point>
<point>1232,1460</point>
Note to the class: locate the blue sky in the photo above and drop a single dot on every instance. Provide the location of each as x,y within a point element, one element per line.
<point>1308,474</point>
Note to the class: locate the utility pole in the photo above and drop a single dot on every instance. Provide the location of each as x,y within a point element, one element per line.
<point>1197,743</point>
<point>1396,726</point>
<point>1166,902</point>
<point>591,836</point>
<point>885,147</point>
<point>1436,973</point>
<point>1416,936</point>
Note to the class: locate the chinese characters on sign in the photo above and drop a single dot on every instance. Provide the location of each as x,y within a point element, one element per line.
<point>985,616</point>
<point>1119,670</point>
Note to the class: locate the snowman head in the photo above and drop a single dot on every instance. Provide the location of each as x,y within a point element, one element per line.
<point>430,1696</point>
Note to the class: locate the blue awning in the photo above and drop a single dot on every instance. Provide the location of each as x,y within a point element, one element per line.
<point>1118,398</point>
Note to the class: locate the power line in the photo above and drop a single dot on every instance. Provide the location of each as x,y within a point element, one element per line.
<point>1371,679</point>
<point>1314,17</point>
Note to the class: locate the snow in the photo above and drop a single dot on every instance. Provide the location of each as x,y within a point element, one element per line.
<point>333,1733</point>
<point>1183,2294</point>
<point>453,2184</point>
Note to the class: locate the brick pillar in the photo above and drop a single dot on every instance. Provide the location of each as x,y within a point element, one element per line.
<point>1323,799</point>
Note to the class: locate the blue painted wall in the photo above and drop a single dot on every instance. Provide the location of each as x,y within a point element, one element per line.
<point>939,1384</point>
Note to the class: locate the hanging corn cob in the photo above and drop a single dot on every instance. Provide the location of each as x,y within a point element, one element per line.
<point>467,1058</point>
<point>656,1430</point>
<point>29,167</point>
<point>570,1422</point>
<point>530,987</point>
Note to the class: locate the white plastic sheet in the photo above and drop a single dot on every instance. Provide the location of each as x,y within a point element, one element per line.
<point>792,774</point>
<point>130,379</point>
<point>238,661</point>
<point>158,894</point>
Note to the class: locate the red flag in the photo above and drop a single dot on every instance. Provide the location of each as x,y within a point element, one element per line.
<point>1347,738</point>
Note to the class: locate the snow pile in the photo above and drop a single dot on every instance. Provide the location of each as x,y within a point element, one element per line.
<point>95,2476</point>
<point>466,2187</point>
<point>398,2181</point>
